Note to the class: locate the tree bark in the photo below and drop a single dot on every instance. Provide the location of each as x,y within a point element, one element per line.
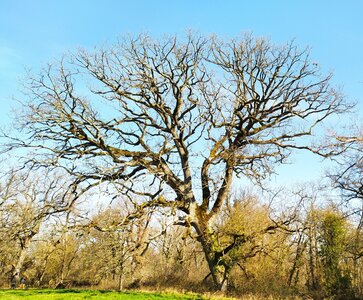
<point>216,265</point>
<point>16,272</point>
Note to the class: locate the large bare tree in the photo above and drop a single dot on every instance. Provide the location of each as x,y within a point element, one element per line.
<point>174,121</point>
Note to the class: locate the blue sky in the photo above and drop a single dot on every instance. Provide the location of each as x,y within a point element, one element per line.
<point>35,32</point>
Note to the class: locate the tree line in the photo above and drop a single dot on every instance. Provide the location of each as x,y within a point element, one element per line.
<point>317,251</point>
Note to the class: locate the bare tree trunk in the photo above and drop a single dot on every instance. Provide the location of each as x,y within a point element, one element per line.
<point>299,251</point>
<point>121,279</point>
<point>313,260</point>
<point>16,272</point>
<point>217,268</point>
<point>60,283</point>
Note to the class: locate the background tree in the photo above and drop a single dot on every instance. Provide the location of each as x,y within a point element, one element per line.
<point>349,177</point>
<point>28,203</point>
<point>175,121</point>
<point>246,226</point>
<point>121,245</point>
<point>179,258</point>
<point>91,251</point>
<point>332,238</point>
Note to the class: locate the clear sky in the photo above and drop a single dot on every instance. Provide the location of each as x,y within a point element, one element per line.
<point>34,32</point>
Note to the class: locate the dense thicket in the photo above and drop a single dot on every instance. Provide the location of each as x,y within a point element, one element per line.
<point>319,253</point>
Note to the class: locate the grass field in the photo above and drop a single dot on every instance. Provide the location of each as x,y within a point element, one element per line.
<point>91,295</point>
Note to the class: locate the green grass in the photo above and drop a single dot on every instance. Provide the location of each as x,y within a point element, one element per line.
<point>91,295</point>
